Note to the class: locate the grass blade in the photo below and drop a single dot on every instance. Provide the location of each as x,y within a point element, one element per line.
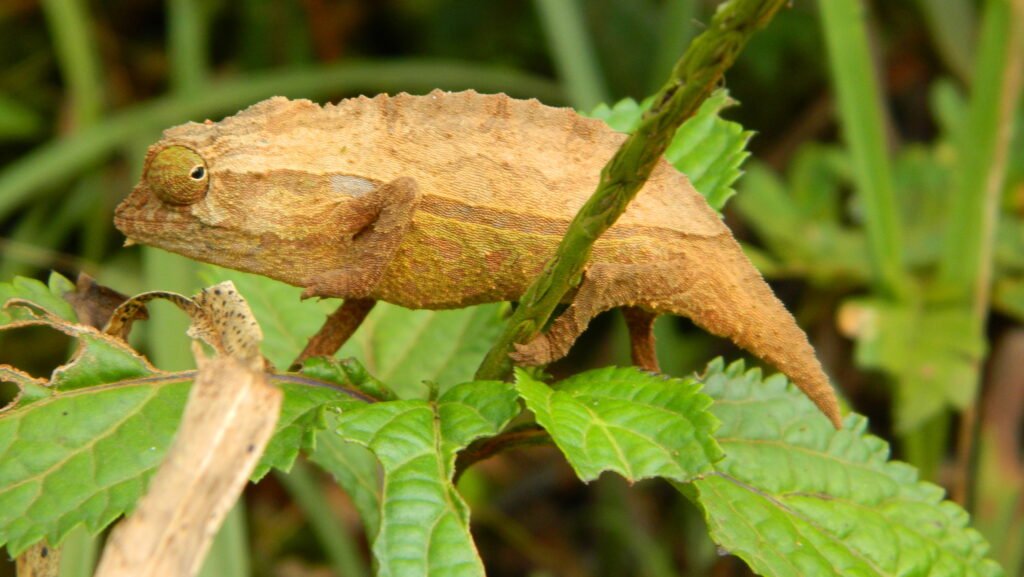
<point>572,51</point>
<point>188,44</point>
<point>966,266</point>
<point>70,26</point>
<point>338,544</point>
<point>862,116</point>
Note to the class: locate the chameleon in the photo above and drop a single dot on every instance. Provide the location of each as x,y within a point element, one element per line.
<point>448,200</point>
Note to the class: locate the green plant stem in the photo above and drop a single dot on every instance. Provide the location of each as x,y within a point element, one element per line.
<point>187,27</point>
<point>573,53</point>
<point>966,266</point>
<point>695,76</point>
<point>337,542</point>
<point>862,117</point>
<point>79,64</point>
<point>59,160</point>
<point>967,260</point>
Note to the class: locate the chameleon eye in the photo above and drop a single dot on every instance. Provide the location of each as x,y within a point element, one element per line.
<point>177,175</point>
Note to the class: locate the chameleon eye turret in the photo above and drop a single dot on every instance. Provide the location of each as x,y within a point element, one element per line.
<point>178,175</point>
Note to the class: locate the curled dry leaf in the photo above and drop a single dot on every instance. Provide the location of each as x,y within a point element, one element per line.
<point>94,303</point>
<point>220,317</point>
<point>228,421</point>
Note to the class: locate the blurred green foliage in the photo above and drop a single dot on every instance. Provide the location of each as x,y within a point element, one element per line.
<point>875,200</point>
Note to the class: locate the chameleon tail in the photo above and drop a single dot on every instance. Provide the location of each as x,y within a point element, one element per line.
<point>723,293</point>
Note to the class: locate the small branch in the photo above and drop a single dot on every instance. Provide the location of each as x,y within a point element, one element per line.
<point>695,76</point>
<point>516,438</point>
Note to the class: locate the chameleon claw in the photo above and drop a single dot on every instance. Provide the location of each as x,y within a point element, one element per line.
<point>311,292</point>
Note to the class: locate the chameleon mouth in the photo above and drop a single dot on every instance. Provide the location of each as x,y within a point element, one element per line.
<point>141,218</point>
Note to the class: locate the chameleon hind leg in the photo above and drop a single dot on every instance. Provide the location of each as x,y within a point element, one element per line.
<point>605,286</point>
<point>640,323</point>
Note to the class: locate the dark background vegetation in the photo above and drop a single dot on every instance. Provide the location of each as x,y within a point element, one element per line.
<point>85,86</point>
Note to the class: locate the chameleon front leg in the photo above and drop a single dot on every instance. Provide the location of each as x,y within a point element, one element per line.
<point>339,326</point>
<point>373,247</point>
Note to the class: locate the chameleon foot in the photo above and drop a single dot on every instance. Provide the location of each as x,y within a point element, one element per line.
<point>536,352</point>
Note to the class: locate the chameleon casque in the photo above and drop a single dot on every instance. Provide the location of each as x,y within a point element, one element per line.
<point>449,200</point>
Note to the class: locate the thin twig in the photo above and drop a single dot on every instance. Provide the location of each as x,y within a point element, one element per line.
<point>525,436</point>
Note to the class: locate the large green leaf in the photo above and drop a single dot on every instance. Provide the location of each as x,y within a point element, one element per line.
<point>706,148</point>
<point>795,497</point>
<point>85,456</point>
<point>424,523</point>
<point>638,424</point>
<point>49,297</point>
<point>80,448</point>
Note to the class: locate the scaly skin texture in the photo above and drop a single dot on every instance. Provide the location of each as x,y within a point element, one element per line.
<point>449,200</point>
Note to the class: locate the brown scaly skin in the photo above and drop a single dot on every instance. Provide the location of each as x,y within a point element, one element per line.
<point>449,200</point>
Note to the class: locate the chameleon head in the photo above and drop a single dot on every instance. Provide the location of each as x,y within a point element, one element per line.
<point>175,178</point>
<point>235,193</point>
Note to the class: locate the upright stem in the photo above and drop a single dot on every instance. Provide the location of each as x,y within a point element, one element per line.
<point>966,267</point>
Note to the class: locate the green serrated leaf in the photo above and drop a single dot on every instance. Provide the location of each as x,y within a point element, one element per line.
<point>706,148</point>
<point>795,497</point>
<point>424,523</point>
<point>637,424</point>
<point>85,456</point>
<point>80,448</point>
<point>711,150</point>
<point>46,297</point>
<point>302,417</point>
<point>81,457</point>
<point>355,468</point>
<point>98,359</point>
<point>347,373</point>
<point>623,116</point>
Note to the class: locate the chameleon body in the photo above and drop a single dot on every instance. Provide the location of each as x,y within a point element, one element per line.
<point>449,200</point>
